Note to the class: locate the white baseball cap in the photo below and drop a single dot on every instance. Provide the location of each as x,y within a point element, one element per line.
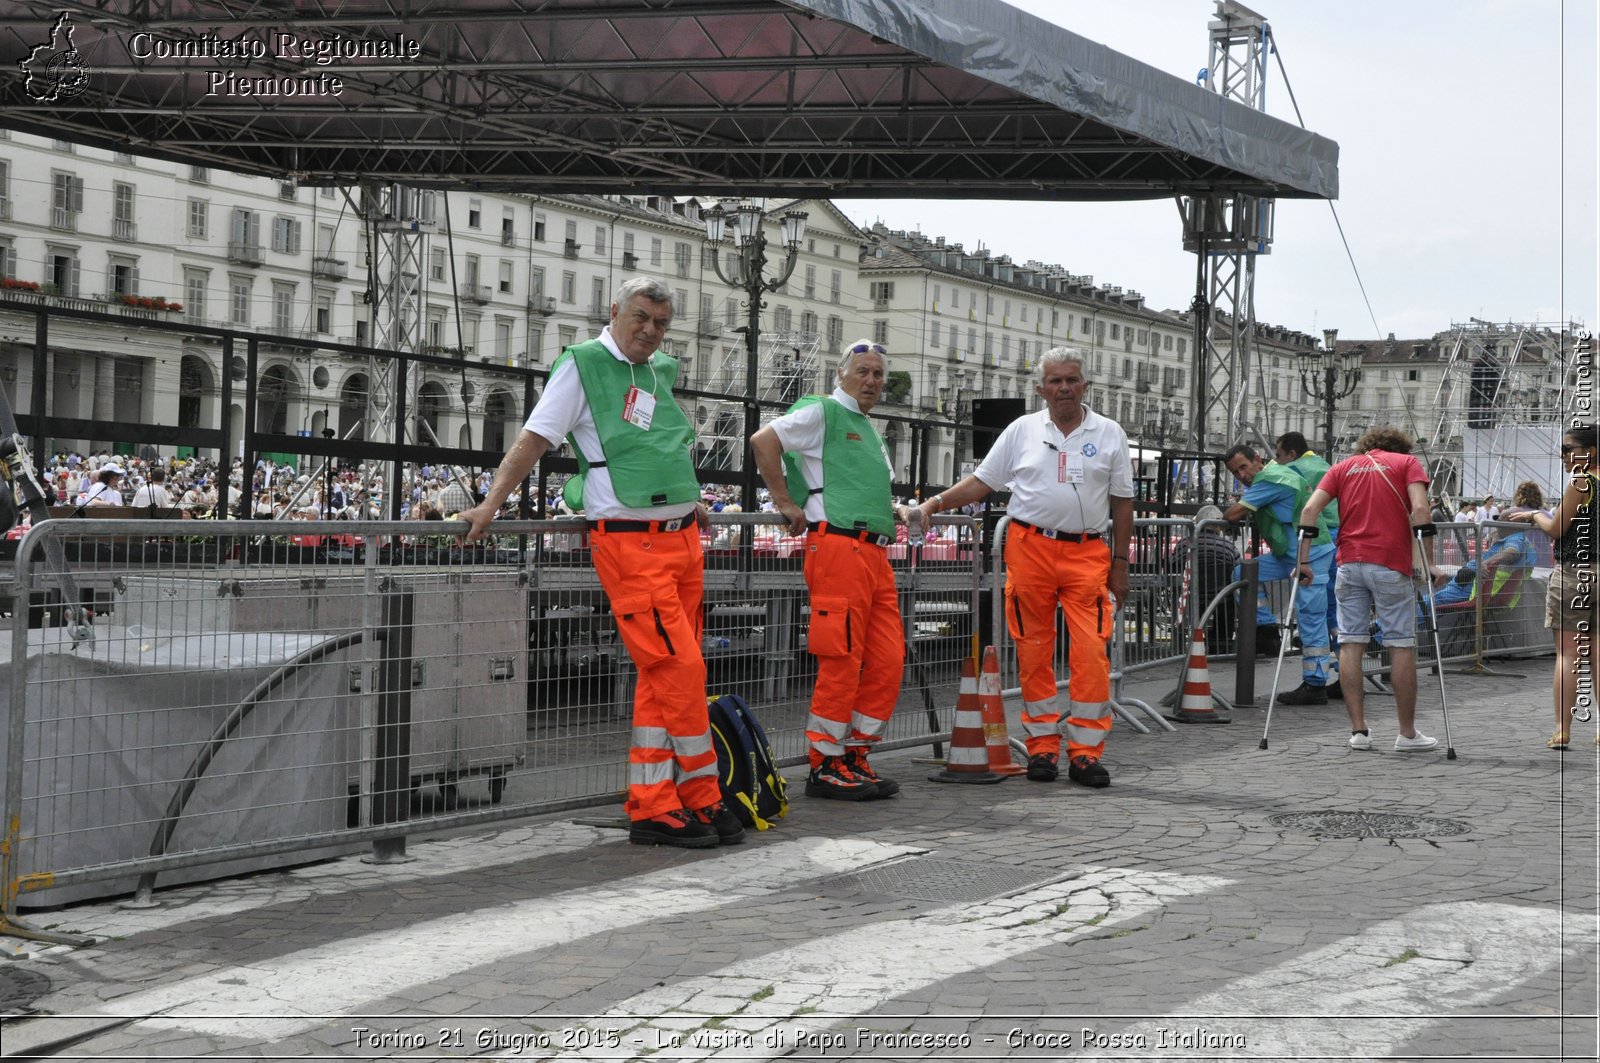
<point>113,468</point>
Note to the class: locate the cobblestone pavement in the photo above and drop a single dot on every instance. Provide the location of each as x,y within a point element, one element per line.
<point>1217,901</point>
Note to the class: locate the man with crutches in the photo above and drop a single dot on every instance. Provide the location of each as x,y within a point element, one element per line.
<point>1383,505</point>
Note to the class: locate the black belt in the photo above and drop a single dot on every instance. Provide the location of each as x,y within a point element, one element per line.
<point>853,533</point>
<point>1063,536</point>
<point>610,526</point>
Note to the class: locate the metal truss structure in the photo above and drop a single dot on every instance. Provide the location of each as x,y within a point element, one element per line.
<point>711,97</point>
<point>1227,232</point>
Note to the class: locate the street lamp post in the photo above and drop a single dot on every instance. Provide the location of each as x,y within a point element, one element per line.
<point>748,221</point>
<point>1339,377</point>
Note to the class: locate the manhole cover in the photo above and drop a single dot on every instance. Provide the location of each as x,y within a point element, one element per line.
<point>1369,825</point>
<point>19,988</point>
<point>939,880</point>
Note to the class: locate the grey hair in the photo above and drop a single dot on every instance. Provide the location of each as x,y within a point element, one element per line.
<point>845,357</point>
<point>652,289</point>
<point>1058,355</point>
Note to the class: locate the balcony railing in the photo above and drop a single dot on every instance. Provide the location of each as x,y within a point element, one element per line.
<point>334,269</point>
<point>599,315</point>
<point>476,293</point>
<point>63,219</point>
<point>245,254</point>
<point>570,249</point>
<point>542,304</point>
<point>124,229</point>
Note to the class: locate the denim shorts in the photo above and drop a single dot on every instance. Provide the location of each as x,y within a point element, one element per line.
<point>1365,591</point>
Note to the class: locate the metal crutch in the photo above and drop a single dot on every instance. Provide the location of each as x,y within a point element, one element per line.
<point>1438,653</point>
<point>1283,648</point>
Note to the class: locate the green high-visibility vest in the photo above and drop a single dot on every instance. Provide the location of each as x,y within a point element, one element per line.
<point>1311,467</point>
<point>1280,534</point>
<point>855,470</point>
<point>648,468</point>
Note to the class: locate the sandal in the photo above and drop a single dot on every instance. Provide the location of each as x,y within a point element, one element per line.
<point>1557,741</point>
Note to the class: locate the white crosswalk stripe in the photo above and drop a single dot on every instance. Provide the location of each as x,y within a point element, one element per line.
<point>1400,977</point>
<point>746,1011</point>
<point>298,990</point>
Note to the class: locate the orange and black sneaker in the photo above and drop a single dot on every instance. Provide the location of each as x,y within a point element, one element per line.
<point>677,827</point>
<point>1086,772</point>
<point>856,757</point>
<point>720,818</point>
<point>1042,767</point>
<point>836,780</point>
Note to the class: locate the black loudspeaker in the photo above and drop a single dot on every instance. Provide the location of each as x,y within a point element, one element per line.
<point>989,416</point>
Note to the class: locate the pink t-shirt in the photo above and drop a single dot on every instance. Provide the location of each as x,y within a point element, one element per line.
<point>1374,511</point>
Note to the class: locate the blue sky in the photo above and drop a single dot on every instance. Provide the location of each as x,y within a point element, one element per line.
<point>1467,137</point>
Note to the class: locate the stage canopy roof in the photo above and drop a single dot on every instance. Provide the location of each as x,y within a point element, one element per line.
<point>883,98</point>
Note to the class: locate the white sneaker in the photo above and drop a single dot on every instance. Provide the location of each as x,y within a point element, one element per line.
<point>1360,741</point>
<point>1421,742</point>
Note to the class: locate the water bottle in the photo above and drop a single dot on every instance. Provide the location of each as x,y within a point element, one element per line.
<point>914,531</point>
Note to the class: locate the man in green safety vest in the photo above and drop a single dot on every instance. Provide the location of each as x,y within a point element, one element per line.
<point>837,490</point>
<point>611,398</point>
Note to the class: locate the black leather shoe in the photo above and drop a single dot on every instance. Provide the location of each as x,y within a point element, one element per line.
<point>678,828</point>
<point>1304,695</point>
<point>1042,767</point>
<point>720,818</point>
<point>1086,772</point>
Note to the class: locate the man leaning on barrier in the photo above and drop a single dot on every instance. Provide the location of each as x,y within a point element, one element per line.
<point>856,632</point>
<point>611,397</point>
<point>1272,499</point>
<point>1291,449</point>
<point>1071,482</point>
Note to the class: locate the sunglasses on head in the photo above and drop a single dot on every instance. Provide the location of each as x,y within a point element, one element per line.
<point>864,348</point>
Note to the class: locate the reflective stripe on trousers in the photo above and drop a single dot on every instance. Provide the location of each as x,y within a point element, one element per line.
<point>655,583</point>
<point>1040,574</point>
<point>859,674</point>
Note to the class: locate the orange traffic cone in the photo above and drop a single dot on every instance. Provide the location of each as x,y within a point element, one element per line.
<point>1196,705</point>
<point>994,717</point>
<point>968,761</point>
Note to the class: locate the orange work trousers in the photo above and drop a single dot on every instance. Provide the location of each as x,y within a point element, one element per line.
<point>655,582</point>
<point>857,638</point>
<point>1040,573</point>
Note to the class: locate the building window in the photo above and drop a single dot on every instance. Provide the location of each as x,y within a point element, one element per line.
<point>600,240</point>
<point>122,227</point>
<point>808,324</point>
<point>66,201</point>
<point>505,275</point>
<point>63,272</point>
<point>835,334</point>
<point>239,300</point>
<point>1183,345</point>
<point>536,282</point>
<point>508,230</point>
<point>1166,343</point>
<point>569,287</point>
<point>933,335</point>
<point>834,282</point>
<point>1086,326</point>
<point>682,255</point>
<point>194,295</point>
<point>538,228</point>
<point>286,235</point>
<point>474,213</point>
<point>474,272</point>
<point>880,331</point>
<point>436,263</point>
<point>282,307</point>
<point>655,250</point>
<point>811,282</point>
<point>1116,331</point>
<point>122,275</point>
<point>322,313</point>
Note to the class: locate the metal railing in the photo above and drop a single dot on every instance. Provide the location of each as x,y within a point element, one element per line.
<point>256,691</point>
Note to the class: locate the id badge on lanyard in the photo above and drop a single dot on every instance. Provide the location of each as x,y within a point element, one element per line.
<point>639,409</point>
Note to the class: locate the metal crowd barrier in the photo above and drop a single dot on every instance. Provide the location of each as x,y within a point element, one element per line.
<point>255,693</point>
<point>1139,613</point>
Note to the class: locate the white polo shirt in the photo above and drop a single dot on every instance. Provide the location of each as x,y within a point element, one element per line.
<point>1064,482</point>
<point>564,409</point>
<point>803,432</point>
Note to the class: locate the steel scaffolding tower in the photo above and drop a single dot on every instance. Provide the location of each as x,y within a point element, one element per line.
<point>1227,232</point>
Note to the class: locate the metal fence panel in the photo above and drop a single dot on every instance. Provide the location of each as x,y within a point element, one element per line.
<point>254,692</point>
